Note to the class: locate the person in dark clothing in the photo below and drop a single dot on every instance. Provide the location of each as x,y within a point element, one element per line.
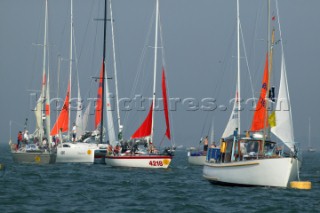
<point>205,144</point>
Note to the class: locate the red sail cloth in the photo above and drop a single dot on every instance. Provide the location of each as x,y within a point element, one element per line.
<point>165,104</point>
<point>99,99</point>
<point>145,128</point>
<point>259,118</point>
<point>62,122</point>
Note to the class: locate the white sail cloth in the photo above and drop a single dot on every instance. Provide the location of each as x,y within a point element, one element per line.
<point>284,126</point>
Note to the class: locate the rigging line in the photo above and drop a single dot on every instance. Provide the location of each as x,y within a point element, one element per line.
<point>167,82</point>
<point>285,71</point>
<point>135,84</point>
<point>86,32</point>
<point>280,31</point>
<point>253,52</point>
<point>140,65</point>
<point>95,71</point>
<point>218,85</point>
<point>247,63</point>
<point>218,82</point>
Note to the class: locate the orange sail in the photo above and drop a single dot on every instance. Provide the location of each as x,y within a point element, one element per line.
<point>145,128</point>
<point>62,122</point>
<point>259,118</point>
<point>165,104</point>
<point>99,99</point>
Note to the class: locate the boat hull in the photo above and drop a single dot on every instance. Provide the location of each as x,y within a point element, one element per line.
<point>34,157</point>
<point>196,160</point>
<point>273,172</point>
<point>78,153</point>
<point>139,161</point>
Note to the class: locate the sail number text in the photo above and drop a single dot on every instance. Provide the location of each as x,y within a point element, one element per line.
<point>155,163</point>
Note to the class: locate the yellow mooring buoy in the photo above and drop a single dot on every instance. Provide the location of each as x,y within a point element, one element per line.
<point>1,166</point>
<point>300,185</point>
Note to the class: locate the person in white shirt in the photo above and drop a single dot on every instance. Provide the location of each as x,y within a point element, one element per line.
<point>26,136</point>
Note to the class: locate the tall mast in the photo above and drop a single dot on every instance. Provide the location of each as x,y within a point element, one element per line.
<point>44,65</point>
<point>103,67</point>
<point>266,132</point>
<point>70,62</point>
<point>115,70</point>
<point>238,52</point>
<point>155,66</point>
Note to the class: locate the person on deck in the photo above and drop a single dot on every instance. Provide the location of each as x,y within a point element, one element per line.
<point>26,136</point>
<point>19,139</point>
<point>205,144</point>
<point>223,148</point>
<point>213,145</point>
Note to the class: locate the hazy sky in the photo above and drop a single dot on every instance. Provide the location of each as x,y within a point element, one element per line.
<point>200,55</point>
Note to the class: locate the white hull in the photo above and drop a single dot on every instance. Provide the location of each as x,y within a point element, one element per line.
<point>78,153</point>
<point>196,160</point>
<point>139,161</point>
<point>274,172</point>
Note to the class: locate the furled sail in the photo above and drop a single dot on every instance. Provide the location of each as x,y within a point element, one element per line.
<point>259,118</point>
<point>38,113</point>
<point>283,128</point>
<point>99,100</point>
<point>47,108</point>
<point>79,119</point>
<point>145,129</point>
<point>62,123</point>
<point>165,104</point>
<point>39,107</point>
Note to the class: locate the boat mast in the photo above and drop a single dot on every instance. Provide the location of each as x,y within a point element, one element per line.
<point>103,67</point>
<point>44,67</point>
<point>238,53</point>
<point>265,131</point>
<point>269,55</point>
<point>115,70</point>
<point>155,66</point>
<point>70,63</point>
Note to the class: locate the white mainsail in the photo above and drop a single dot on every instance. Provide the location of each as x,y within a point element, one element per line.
<point>233,122</point>
<point>284,126</point>
<point>85,117</point>
<point>110,123</point>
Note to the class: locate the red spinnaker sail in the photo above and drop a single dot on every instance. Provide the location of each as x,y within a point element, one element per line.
<point>165,104</point>
<point>259,118</point>
<point>145,128</point>
<point>99,99</point>
<point>62,122</point>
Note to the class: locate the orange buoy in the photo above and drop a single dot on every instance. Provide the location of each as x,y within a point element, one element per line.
<point>300,185</point>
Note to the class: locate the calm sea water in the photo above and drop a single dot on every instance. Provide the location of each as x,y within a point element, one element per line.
<point>181,188</point>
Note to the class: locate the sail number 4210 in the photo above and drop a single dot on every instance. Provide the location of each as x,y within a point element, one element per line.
<point>155,163</point>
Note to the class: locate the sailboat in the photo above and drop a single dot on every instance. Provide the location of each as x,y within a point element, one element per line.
<point>147,158</point>
<point>310,148</point>
<point>197,156</point>
<point>254,159</point>
<point>73,150</point>
<point>41,150</point>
